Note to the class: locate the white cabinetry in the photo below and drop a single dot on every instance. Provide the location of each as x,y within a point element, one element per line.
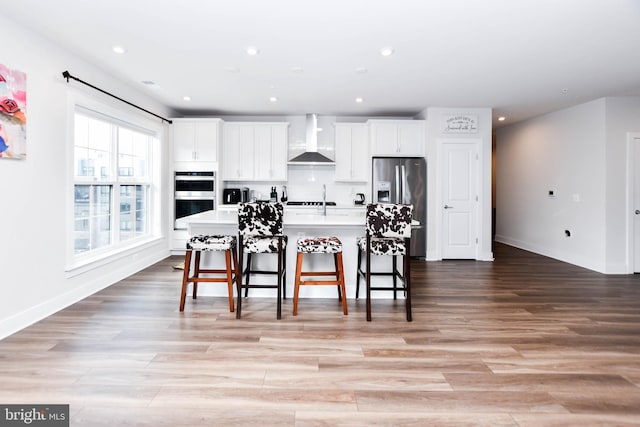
<point>254,151</point>
<point>195,140</point>
<point>352,152</point>
<point>237,152</point>
<point>270,148</point>
<point>397,137</point>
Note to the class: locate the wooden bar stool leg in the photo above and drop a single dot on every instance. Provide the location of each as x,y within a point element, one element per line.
<point>394,271</point>
<point>185,278</point>
<point>279,308</point>
<point>236,270</point>
<point>248,273</point>
<point>196,273</point>
<point>227,256</point>
<point>341,286</point>
<point>407,283</point>
<point>296,289</point>
<point>358,268</point>
<point>284,274</point>
<point>337,269</point>
<point>239,274</point>
<point>368,278</point>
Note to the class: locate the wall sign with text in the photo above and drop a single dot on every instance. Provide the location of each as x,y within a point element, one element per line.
<point>460,123</point>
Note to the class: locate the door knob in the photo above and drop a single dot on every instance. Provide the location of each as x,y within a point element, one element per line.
<point>637,211</point>
<point>451,207</point>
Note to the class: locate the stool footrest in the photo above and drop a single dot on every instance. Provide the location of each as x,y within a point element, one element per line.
<point>319,282</point>
<point>212,271</point>
<point>245,286</point>
<point>318,273</point>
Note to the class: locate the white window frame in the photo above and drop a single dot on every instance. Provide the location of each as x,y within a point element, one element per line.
<point>121,115</point>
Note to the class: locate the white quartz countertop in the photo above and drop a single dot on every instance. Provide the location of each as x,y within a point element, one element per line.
<point>291,218</point>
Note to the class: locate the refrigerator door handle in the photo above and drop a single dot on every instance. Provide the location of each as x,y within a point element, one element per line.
<point>403,199</point>
<point>398,189</point>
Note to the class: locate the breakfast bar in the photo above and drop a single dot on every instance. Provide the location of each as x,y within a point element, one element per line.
<point>346,224</point>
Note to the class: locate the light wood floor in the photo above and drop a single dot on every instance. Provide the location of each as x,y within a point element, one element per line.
<point>522,341</point>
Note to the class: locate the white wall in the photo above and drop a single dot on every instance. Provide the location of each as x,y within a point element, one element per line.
<point>434,184</point>
<point>580,154</point>
<point>33,194</point>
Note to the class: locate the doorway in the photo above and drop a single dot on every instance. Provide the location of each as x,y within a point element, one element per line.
<point>460,198</point>
<point>633,201</point>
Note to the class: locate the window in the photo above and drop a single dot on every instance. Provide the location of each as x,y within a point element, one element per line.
<point>113,183</point>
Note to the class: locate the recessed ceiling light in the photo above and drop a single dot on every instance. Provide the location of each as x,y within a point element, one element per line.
<point>273,99</point>
<point>359,100</point>
<point>252,51</point>
<point>186,98</point>
<point>502,118</point>
<point>386,51</point>
<point>118,49</point>
<point>565,90</point>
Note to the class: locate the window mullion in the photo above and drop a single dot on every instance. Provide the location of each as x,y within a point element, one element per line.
<point>115,208</point>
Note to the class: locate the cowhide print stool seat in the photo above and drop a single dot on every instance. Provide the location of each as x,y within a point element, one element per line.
<point>320,245</point>
<point>388,232</point>
<point>260,231</point>
<point>209,243</point>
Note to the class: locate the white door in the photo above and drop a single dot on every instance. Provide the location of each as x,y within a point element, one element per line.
<point>635,203</point>
<point>460,199</point>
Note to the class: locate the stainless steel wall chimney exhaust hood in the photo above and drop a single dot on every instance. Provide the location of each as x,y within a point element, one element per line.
<point>311,156</point>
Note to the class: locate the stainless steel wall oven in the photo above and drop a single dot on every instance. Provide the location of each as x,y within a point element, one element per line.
<point>195,192</point>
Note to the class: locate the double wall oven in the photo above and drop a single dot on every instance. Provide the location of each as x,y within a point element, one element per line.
<point>195,192</point>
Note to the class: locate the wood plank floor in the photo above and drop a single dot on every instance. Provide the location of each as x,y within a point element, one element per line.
<point>522,341</point>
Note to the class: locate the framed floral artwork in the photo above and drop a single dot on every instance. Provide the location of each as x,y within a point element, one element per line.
<point>13,113</point>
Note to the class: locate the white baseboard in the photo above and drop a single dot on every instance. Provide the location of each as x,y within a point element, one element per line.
<point>113,273</point>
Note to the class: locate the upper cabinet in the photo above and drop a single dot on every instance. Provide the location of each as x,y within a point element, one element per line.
<point>352,152</point>
<point>254,151</point>
<point>270,145</point>
<point>397,137</point>
<point>195,140</point>
<point>237,152</point>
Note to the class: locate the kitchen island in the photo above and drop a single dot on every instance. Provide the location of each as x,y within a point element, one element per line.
<point>346,224</point>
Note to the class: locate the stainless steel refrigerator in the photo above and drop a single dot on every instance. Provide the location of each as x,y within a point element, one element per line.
<point>404,180</point>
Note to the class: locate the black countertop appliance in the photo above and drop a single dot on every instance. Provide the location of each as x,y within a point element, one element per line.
<point>231,196</point>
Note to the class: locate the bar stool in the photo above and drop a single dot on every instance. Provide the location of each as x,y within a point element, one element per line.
<point>260,231</point>
<point>209,243</point>
<point>388,232</point>
<point>320,245</point>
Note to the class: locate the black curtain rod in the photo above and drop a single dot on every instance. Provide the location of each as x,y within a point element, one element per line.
<point>68,76</point>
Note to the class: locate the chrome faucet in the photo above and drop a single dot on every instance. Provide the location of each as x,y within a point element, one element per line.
<point>324,199</point>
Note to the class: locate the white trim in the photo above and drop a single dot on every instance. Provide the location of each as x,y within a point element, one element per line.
<point>477,143</point>
<point>133,120</point>
<point>95,260</point>
<point>632,137</point>
<point>139,261</point>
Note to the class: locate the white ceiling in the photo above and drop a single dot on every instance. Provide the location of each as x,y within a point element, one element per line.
<point>520,57</point>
